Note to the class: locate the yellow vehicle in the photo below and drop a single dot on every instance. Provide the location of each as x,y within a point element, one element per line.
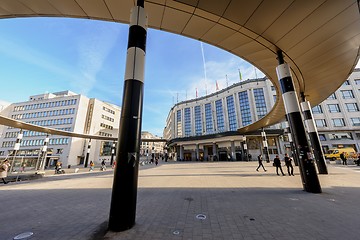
<point>334,153</point>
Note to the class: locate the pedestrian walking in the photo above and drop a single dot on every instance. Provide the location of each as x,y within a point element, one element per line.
<point>91,166</point>
<point>343,158</point>
<point>260,163</point>
<point>4,167</point>
<point>277,164</point>
<point>156,161</point>
<point>288,164</point>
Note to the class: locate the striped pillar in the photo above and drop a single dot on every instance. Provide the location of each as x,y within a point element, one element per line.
<point>265,146</point>
<point>307,168</point>
<point>314,137</point>
<point>87,154</point>
<point>290,138</point>
<point>44,153</point>
<point>113,148</point>
<point>124,191</point>
<point>245,155</point>
<point>16,148</point>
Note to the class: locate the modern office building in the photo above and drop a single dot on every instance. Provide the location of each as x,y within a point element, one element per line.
<point>338,117</point>
<point>205,128</point>
<point>66,111</point>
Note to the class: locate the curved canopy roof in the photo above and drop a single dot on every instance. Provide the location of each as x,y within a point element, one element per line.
<point>320,38</point>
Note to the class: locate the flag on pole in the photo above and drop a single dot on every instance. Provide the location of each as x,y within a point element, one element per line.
<point>196,93</point>
<point>240,75</point>
<point>217,86</point>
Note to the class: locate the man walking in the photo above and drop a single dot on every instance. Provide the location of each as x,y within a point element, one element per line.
<point>260,163</point>
<point>289,165</point>
<point>277,164</point>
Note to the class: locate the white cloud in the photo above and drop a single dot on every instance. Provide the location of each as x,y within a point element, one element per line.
<point>92,52</point>
<point>3,104</point>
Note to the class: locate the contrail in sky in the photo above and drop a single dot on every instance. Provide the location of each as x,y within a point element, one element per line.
<point>203,56</point>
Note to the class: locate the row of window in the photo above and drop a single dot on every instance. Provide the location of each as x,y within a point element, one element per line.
<point>336,136</point>
<point>106,126</point>
<point>108,110</point>
<point>45,105</point>
<point>37,142</point>
<point>356,81</point>
<point>335,108</point>
<point>346,94</point>
<point>51,122</point>
<point>107,118</point>
<point>210,126</point>
<point>105,134</point>
<point>337,122</point>
<point>44,114</point>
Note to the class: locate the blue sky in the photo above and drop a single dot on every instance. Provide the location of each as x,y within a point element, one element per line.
<point>39,55</point>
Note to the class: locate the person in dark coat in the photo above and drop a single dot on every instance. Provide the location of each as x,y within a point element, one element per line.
<point>277,164</point>
<point>289,165</point>
<point>343,158</point>
<point>260,163</point>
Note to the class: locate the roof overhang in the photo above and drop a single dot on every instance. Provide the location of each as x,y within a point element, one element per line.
<point>320,39</point>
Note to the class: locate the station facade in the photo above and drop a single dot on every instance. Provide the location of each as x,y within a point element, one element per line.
<point>205,128</point>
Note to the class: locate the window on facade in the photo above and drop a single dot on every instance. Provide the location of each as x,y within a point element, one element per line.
<point>347,82</point>
<point>357,81</point>
<point>208,118</point>
<point>187,122</point>
<point>320,123</point>
<point>332,96</point>
<point>273,88</point>
<point>334,108</point>
<point>198,126</point>
<point>245,108</point>
<point>260,102</point>
<point>355,121</point>
<point>322,137</point>
<point>352,107</point>
<point>178,120</point>
<point>317,109</point>
<point>219,115</point>
<point>338,122</point>
<point>347,94</point>
<point>231,113</point>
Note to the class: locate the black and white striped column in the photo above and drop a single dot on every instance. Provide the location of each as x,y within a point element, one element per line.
<point>16,148</point>
<point>44,153</point>
<point>113,148</point>
<point>124,192</point>
<point>265,146</point>
<point>314,137</point>
<point>87,154</point>
<point>307,168</point>
<point>290,139</point>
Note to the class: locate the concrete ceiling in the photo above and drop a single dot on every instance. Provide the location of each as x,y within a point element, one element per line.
<point>320,38</point>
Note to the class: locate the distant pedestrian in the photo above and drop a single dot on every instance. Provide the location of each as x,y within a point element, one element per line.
<point>277,164</point>
<point>249,157</point>
<point>156,161</point>
<point>343,158</point>
<point>289,165</point>
<point>114,164</point>
<point>103,165</point>
<point>260,163</point>
<point>4,167</point>
<point>91,166</point>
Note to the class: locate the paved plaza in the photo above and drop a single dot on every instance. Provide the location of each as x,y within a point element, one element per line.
<point>187,200</point>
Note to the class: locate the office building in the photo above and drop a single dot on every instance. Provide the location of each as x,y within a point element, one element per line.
<point>66,111</point>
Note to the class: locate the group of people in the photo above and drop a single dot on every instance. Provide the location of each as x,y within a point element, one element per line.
<point>277,164</point>
<point>4,168</point>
